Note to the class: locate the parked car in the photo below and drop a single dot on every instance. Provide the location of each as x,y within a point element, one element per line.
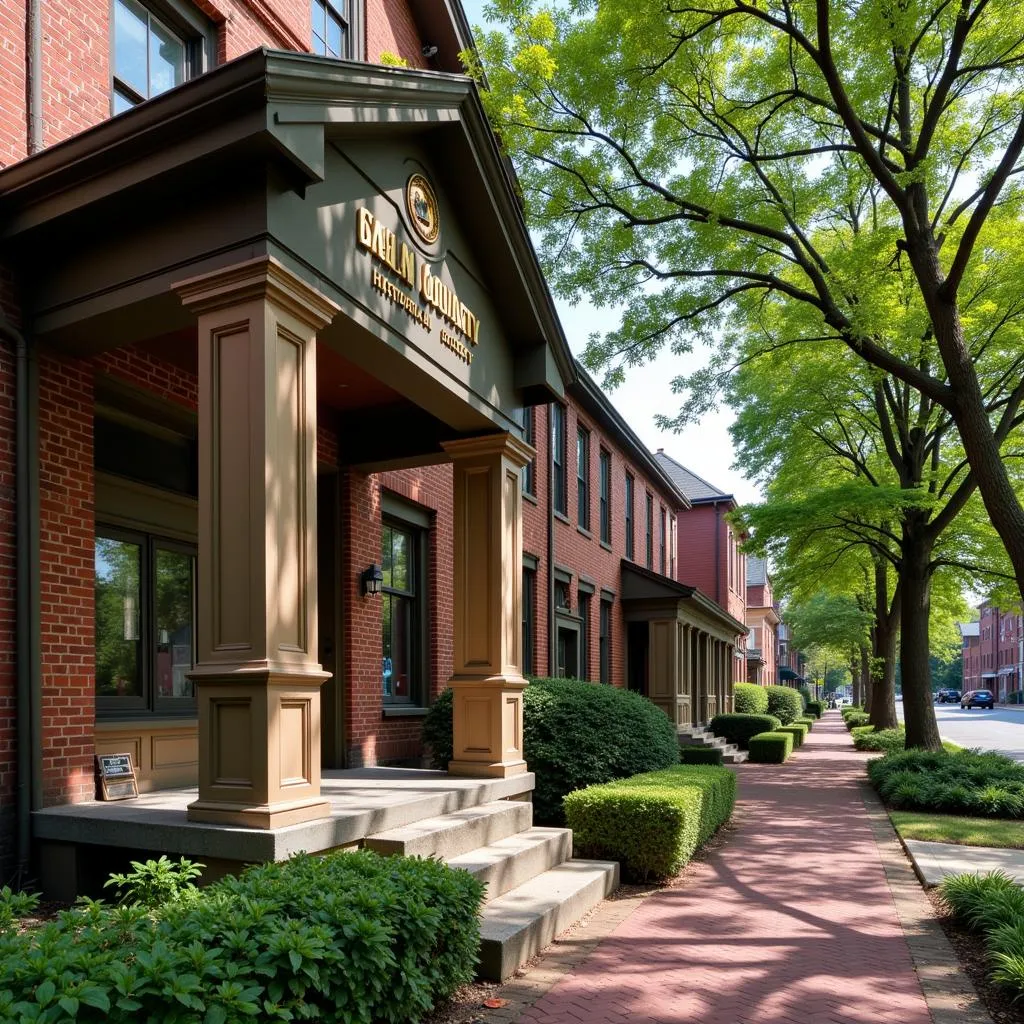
<point>948,696</point>
<point>978,699</point>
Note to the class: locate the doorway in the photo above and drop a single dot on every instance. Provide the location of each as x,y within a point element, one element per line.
<point>638,655</point>
<point>568,652</point>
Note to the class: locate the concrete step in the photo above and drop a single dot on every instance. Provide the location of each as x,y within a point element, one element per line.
<point>518,925</point>
<point>707,740</point>
<point>735,757</point>
<point>456,833</point>
<point>510,862</point>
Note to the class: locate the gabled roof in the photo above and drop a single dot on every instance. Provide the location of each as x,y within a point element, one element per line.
<point>757,571</point>
<point>696,488</point>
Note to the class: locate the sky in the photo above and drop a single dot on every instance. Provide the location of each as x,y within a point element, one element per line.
<point>704,448</point>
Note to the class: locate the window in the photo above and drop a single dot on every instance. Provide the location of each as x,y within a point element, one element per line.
<point>561,595</point>
<point>663,539</point>
<point>649,531</point>
<point>530,437</point>
<point>629,517</point>
<point>154,49</point>
<point>583,478</point>
<point>605,642</point>
<point>584,610</point>
<point>605,484</point>
<point>145,623</point>
<point>529,619</point>
<point>331,28</point>
<point>402,614</point>
<point>673,547</point>
<point>558,458</point>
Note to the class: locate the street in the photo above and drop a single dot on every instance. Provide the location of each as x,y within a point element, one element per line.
<point>1001,729</point>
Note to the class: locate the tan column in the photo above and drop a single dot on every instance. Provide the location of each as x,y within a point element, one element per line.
<point>487,679</point>
<point>257,677</point>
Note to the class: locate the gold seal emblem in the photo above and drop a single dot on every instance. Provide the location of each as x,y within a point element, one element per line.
<point>421,203</point>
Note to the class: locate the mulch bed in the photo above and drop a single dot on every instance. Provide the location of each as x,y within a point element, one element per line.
<point>970,950</point>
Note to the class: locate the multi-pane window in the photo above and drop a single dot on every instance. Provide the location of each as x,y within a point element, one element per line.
<point>145,622</point>
<point>649,531</point>
<point>401,614</point>
<point>584,611</point>
<point>630,552</point>
<point>530,469</point>
<point>331,27</point>
<point>606,497</point>
<point>583,478</point>
<point>605,641</point>
<point>558,458</point>
<point>148,57</point>
<point>663,539</point>
<point>529,619</point>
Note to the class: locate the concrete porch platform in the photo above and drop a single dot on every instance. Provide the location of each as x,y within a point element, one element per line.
<point>364,801</point>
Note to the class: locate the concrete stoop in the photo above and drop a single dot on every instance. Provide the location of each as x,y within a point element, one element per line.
<point>534,888</point>
<point>699,736</point>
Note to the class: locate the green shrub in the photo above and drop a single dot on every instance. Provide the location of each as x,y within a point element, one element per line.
<point>797,730</point>
<point>865,737</point>
<point>651,823</point>
<point>784,703</point>
<point>808,720</point>
<point>350,936</point>
<point>739,728</point>
<point>749,699</point>
<point>155,882</point>
<point>1015,697</point>
<point>575,734</point>
<point>700,755</point>
<point>816,708</point>
<point>771,747</point>
<point>856,719</point>
<point>805,694</point>
<point>853,709</point>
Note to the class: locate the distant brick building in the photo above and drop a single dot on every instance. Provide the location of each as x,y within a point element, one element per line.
<point>993,651</point>
<point>763,620</point>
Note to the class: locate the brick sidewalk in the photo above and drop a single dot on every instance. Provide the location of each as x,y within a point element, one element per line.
<point>790,922</point>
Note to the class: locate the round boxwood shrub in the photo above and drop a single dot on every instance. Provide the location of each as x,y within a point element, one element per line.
<point>739,728</point>
<point>700,755</point>
<point>749,699</point>
<point>575,734</point>
<point>771,747</point>
<point>784,703</point>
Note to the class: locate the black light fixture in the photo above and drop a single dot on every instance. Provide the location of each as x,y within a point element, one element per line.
<point>373,580</point>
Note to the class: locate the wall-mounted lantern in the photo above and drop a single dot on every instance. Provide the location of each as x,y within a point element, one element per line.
<point>373,580</point>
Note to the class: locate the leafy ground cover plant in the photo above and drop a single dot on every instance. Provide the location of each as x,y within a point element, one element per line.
<point>154,882</point>
<point>652,823</point>
<point>575,734</point>
<point>739,728</point>
<point>352,937</point>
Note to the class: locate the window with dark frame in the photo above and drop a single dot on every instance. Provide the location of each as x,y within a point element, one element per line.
<point>584,612</point>
<point>583,478</point>
<point>332,28</point>
<point>529,619</point>
<point>529,436</point>
<point>663,539</point>
<point>650,531</point>
<point>630,545</point>
<point>606,496</point>
<point>558,458</point>
<point>403,614</point>
<point>605,642</point>
<point>145,619</point>
<point>154,47</point>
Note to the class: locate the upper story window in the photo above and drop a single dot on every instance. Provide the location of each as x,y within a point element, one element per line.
<point>583,478</point>
<point>606,497</point>
<point>530,437</point>
<point>332,28</point>
<point>630,550</point>
<point>649,532</point>
<point>155,47</point>
<point>663,540</point>
<point>558,458</point>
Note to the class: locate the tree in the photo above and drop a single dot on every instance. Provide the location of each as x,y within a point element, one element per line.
<point>706,163</point>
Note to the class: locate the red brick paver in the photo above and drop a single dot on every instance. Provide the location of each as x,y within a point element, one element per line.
<point>790,922</point>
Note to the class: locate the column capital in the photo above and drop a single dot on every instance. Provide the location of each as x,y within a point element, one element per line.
<point>258,278</point>
<point>507,445</point>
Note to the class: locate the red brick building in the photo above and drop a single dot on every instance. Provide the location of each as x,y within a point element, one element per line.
<point>993,651</point>
<point>970,633</point>
<point>272,336</point>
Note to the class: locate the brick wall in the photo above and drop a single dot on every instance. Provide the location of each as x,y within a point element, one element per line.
<point>8,684</point>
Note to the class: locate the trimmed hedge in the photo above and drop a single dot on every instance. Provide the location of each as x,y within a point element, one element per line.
<point>808,720</point>
<point>350,936</point>
<point>739,728</point>
<point>856,719</point>
<point>797,730</point>
<point>985,785</point>
<point>816,708</point>
<point>784,703</point>
<point>749,699</point>
<point>700,755</point>
<point>771,747</point>
<point>651,823</point>
<point>575,734</point>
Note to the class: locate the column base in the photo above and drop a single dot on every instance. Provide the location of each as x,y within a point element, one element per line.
<point>266,816</point>
<point>482,770</point>
<point>487,727</point>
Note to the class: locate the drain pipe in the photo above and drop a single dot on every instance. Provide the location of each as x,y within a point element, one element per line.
<point>34,75</point>
<point>28,709</point>
<point>552,629</point>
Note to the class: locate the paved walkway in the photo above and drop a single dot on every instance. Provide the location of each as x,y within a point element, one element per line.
<point>790,922</point>
<point>933,861</point>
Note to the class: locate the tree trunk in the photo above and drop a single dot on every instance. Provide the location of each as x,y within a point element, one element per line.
<point>860,695</point>
<point>883,705</point>
<point>915,610</point>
